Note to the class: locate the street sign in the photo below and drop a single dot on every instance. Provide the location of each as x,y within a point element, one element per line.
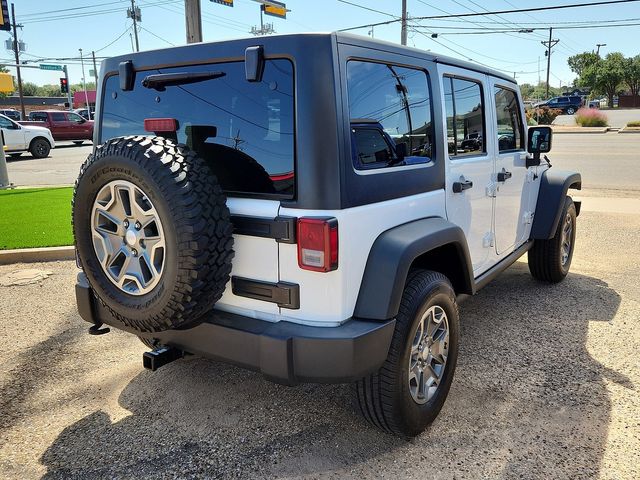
<point>228,3</point>
<point>5,21</point>
<point>44,66</point>
<point>275,9</point>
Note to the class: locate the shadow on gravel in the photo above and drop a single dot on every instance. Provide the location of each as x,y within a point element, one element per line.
<point>36,367</point>
<point>528,401</point>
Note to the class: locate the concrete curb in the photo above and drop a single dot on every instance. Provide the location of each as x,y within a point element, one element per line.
<point>582,130</point>
<point>629,130</point>
<point>31,255</point>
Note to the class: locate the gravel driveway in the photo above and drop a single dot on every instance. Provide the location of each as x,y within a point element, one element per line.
<point>546,387</point>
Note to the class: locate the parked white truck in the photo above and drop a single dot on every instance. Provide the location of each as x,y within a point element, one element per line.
<point>19,139</point>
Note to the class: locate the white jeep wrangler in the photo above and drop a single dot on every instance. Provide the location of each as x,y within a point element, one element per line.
<point>310,206</point>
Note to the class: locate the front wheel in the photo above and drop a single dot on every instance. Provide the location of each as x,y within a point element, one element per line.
<point>39,148</point>
<point>410,388</point>
<point>78,142</point>
<point>549,260</point>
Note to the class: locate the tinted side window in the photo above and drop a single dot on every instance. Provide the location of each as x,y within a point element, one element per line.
<point>395,100</point>
<point>245,130</point>
<point>371,146</point>
<point>5,123</point>
<point>58,117</point>
<point>465,116</point>
<point>38,117</point>
<point>510,126</point>
<point>74,117</point>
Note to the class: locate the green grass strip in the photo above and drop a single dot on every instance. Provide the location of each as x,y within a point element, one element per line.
<point>35,217</point>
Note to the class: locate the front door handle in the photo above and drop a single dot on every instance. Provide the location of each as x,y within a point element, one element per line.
<point>503,176</point>
<point>459,187</point>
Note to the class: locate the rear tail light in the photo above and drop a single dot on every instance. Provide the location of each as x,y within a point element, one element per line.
<point>160,124</point>
<point>318,244</point>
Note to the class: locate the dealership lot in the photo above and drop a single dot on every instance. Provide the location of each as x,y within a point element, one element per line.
<point>546,386</point>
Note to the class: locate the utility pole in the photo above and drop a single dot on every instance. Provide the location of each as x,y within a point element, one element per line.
<point>95,69</point>
<point>600,45</point>
<point>193,20</point>
<point>549,44</point>
<point>403,32</point>
<point>17,53</point>
<point>84,85</point>
<point>134,14</point>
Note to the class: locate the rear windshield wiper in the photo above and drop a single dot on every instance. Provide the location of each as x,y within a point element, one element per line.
<point>161,80</point>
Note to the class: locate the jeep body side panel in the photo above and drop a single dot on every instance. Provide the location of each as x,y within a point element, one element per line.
<point>329,298</point>
<point>391,257</point>
<point>553,188</point>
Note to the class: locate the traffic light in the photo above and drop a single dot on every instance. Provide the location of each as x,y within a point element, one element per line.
<point>64,86</point>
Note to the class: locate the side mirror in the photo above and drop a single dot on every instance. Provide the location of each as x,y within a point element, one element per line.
<point>538,141</point>
<point>401,152</point>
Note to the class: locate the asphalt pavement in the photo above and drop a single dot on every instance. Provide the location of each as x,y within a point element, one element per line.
<point>61,167</point>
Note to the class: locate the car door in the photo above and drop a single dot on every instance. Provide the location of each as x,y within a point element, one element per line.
<point>512,178</point>
<point>77,126</point>
<point>470,164</point>
<point>61,128</point>
<point>13,135</point>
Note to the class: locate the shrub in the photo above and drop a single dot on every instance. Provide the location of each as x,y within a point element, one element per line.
<point>635,123</point>
<point>543,115</point>
<point>591,117</point>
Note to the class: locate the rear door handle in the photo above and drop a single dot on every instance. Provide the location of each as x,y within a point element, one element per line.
<point>459,187</point>
<point>504,176</point>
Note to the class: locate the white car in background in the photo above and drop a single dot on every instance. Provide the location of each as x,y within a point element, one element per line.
<point>18,139</point>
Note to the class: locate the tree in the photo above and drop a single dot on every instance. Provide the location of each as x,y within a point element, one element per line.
<point>526,89</point>
<point>30,89</point>
<point>632,74</point>
<point>606,75</point>
<point>77,87</point>
<point>49,91</point>
<point>580,62</point>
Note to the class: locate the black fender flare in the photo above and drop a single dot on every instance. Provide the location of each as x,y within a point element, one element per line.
<point>554,185</point>
<point>391,257</point>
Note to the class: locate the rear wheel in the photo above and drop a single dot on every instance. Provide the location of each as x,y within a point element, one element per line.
<point>78,142</point>
<point>39,148</point>
<point>550,260</point>
<point>571,111</point>
<point>410,388</point>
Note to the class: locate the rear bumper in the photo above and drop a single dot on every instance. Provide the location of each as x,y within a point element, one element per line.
<point>283,352</point>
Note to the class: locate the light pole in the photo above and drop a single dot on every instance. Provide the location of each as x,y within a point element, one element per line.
<point>84,86</point>
<point>598,45</point>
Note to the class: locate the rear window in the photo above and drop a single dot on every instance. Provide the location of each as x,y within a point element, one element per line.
<point>38,117</point>
<point>58,117</point>
<point>244,130</point>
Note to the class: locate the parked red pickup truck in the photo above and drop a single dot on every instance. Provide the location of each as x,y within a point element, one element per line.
<point>63,125</point>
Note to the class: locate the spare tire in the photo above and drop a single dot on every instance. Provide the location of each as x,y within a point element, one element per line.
<point>152,232</point>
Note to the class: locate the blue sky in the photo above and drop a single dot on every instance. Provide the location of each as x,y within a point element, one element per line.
<point>104,29</point>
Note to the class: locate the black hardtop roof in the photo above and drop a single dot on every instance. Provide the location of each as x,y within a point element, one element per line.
<point>161,56</point>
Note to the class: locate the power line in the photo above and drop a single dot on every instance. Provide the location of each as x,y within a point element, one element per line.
<point>157,36</point>
<point>502,12</point>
